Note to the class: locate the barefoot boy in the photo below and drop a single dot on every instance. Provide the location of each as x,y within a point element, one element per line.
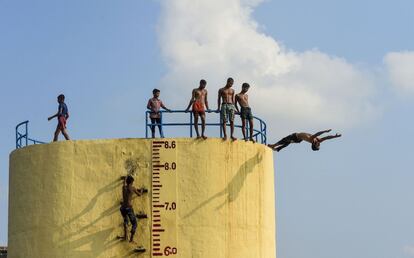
<point>226,99</point>
<point>154,105</point>
<point>126,209</point>
<point>62,116</point>
<point>245,111</point>
<point>199,102</point>
<point>313,139</point>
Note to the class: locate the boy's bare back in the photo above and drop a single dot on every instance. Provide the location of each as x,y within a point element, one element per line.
<point>127,193</point>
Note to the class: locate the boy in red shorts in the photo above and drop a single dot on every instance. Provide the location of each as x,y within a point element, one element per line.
<point>62,115</point>
<point>199,101</point>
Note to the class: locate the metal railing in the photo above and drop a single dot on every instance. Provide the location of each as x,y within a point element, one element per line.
<point>259,130</point>
<point>22,135</point>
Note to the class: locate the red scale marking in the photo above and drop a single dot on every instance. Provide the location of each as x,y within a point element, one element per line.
<point>157,254</point>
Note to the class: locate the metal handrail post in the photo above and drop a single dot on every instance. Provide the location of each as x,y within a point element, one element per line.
<point>27,133</point>
<point>146,124</point>
<point>247,123</point>
<point>261,130</point>
<point>161,129</point>
<point>221,126</point>
<point>17,139</point>
<point>191,127</point>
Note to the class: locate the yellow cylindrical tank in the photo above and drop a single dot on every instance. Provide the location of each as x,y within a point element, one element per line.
<point>206,199</point>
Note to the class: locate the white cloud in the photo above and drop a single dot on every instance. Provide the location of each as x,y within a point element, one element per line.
<point>409,249</point>
<point>215,39</point>
<point>400,70</point>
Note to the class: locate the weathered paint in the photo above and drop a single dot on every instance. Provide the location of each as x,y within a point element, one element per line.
<point>65,199</point>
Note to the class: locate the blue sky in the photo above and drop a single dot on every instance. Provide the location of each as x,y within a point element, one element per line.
<point>351,199</point>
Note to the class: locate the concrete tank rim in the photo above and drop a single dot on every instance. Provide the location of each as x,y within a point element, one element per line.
<point>29,147</point>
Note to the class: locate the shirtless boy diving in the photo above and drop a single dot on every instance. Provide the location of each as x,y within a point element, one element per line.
<point>245,111</point>
<point>226,101</point>
<point>313,139</point>
<point>199,103</point>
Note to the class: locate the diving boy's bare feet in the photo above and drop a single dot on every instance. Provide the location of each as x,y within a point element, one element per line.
<point>251,139</point>
<point>225,138</point>
<point>233,138</point>
<point>204,137</point>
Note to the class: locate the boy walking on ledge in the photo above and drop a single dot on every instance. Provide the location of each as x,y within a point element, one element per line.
<point>62,116</point>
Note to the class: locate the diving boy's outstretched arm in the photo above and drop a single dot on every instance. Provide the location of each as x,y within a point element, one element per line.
<point>330,137</point>
<point>320,133</point>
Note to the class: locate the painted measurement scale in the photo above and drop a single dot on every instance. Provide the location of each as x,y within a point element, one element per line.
<point>164,199</point>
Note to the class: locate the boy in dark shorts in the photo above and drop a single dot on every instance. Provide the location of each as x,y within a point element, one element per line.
<point>245,111</point>
<point>198,102</point>
<point>154,105</point>
<point>313,139</point>
<point>62,115</point>
<point>126,209</point>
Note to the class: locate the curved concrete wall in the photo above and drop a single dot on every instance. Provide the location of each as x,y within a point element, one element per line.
<point>65,199</point>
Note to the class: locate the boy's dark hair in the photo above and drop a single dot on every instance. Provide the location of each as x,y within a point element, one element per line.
<point>203,82</point>
<point>155,91</point>
<point>315,147</point>
<point>230,79</point>
<point>245,85</point>
<point>129,180</point>
<point>61,96</point>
